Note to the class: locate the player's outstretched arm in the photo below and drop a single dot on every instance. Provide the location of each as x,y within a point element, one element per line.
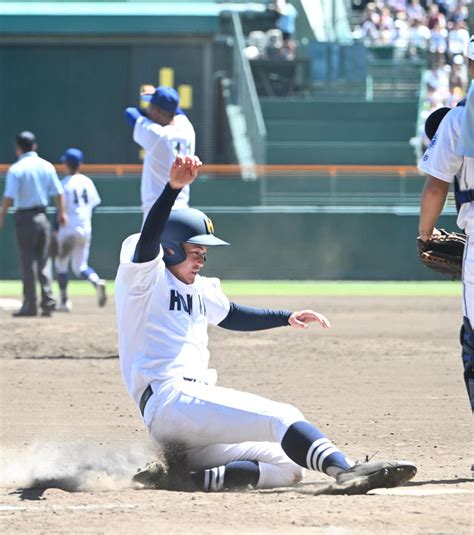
<point>245,318</point>
<point>183,171</point>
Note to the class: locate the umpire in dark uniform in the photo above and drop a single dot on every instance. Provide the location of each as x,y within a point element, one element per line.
<point>31,181</point>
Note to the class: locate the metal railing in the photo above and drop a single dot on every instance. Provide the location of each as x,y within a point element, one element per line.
<point>244,94</point>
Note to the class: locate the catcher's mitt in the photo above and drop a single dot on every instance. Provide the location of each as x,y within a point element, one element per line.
<point>443,253</point>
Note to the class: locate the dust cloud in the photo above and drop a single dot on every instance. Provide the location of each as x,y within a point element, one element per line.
<point>73,467</point>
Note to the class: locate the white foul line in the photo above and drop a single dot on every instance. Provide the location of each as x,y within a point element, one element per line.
<point>46,508</point>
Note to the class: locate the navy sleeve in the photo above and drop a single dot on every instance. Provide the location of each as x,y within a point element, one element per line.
<point>131,115</point>
<point>148,245</point>
<point>244,318</point>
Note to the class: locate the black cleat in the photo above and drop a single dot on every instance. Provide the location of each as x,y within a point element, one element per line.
<point>364,477</point>
<point>153,476</point>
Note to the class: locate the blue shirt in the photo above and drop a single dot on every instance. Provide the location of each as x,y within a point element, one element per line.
<point>31,181</point>
<point>286,22</point>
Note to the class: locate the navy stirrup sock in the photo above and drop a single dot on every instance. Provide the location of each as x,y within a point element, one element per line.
<point>232,476</point>
<point>309,447</point>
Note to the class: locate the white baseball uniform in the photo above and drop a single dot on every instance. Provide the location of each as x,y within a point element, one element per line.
<point>74,238</point>
<point>441,160</point>
<point>162,144</point>
<point>162,327</point>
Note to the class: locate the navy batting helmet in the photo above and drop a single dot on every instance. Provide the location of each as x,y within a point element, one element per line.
<point>187,225</point>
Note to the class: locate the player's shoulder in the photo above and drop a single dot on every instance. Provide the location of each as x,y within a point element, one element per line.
<point>46,164</point>
<point>453,118</point>
<point>149,125</point>
<point>210,284</point>
<point>84,179</point>
<point>181,123</point>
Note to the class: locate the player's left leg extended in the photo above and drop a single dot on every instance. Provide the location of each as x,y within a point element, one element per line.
<point>261,465</point>
<point>80,266</point>
<point>198,415</point>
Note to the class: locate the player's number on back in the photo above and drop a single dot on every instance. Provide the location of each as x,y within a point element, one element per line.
<point>83,196</point>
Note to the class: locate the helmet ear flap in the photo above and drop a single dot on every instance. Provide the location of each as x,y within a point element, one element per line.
<point>173,253</point>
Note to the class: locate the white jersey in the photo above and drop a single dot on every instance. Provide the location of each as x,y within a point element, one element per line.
<point>466,145</point>
<point>162,322</point>
<point>441,160</point>
<point>162,144</point>
<point>80,199</point>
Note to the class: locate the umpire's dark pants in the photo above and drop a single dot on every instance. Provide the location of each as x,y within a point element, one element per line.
<point>33,234</point>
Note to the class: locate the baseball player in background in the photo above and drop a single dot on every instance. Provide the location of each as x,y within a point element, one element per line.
<point>230,439</point>
<point>450,159</point>
<point>74,238</point>
<point>165,132</point>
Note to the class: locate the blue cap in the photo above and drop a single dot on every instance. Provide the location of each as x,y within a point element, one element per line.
<point>73,156</point>
<point>165,98</point>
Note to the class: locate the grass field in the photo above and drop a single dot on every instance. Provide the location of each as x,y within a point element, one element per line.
<point>292,288</point>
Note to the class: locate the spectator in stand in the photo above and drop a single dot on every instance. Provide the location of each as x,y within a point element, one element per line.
<point>459,13</point>
<point>402,35</point>
<point>386,27</point>
<point>419,38</point>
<point>435,17</point>
<point>415,11</point>
<point>287,23</point>
<point>458,39</point>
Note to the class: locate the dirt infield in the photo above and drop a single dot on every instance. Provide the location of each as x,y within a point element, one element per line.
<point>385,380</point>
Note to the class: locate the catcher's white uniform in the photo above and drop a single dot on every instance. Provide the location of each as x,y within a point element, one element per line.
<point>74,238</point>
<point>441,160</point>
<point>162,144</point>
<point>162,326</point>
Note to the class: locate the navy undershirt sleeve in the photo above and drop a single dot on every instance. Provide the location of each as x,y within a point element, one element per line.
<point>148,245</point>
<point>132,115</point>
<point>244,318</point>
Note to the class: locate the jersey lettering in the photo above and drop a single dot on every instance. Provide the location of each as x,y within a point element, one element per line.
<point>177,302</point>
<point>202,306</point>
<point>84,196</point>
<point>182,148</point>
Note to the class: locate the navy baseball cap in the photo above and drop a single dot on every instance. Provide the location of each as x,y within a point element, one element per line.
<point>166,98</point>
<point>73,156</point>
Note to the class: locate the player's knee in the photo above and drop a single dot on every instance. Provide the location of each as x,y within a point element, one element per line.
<point>288,415</point>
<point>284,473</point>
<point>292,473</point>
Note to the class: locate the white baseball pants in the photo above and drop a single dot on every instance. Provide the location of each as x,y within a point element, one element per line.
<point>219,425</point>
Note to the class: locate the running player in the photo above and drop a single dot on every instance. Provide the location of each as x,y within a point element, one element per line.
<point>74,238</point>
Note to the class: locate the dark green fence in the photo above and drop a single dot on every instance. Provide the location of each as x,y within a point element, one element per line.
<point>286,227</point>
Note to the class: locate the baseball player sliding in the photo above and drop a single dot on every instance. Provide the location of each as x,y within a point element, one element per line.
<point>74,238</point>
<point>229,439</point>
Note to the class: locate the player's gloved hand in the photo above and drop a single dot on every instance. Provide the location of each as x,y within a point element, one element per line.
<point>301,318</point>
<point>427,237</point>
<point>184,171</point>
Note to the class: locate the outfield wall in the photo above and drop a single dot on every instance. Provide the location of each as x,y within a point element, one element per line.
<point>266,245</point>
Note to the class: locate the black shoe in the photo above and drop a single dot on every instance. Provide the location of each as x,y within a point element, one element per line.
<point>368,476</point>
<point>22,313</point>
<point>153,476</point>
<point>46,313</point>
